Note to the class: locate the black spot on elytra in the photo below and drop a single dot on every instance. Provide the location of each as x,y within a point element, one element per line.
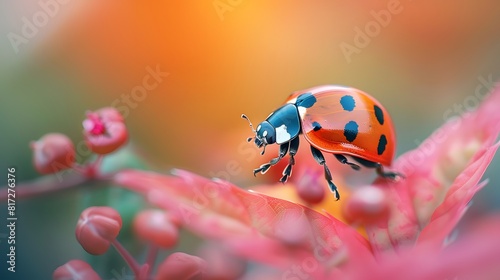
<point>347,102</point>
<point>382,142</point>
<point>305,100</point>
<point>351,131</point>
<point>379,114</point>
<point>316,126</point>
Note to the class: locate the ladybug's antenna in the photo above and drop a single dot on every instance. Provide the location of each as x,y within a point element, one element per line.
<point>243,116</point>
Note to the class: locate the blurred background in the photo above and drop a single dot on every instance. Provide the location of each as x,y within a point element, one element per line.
<point>207,62</point>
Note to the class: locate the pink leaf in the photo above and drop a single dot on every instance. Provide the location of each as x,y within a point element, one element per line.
<point>219,210</point>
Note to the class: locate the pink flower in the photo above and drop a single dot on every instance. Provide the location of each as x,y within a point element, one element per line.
<point>52,153</point>
<point>104,130</point>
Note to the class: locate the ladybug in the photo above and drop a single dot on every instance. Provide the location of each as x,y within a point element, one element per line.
<point>338,120</point>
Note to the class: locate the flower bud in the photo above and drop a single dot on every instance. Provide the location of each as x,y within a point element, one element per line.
<point>367,205</point>
<point>157,227</point>
<point>104,130</point>
<point>181,266</point>
<point>310,185</point>
<point>52,153</point>
<point>75,270</point>
<point>221,264</point>
<point>97,228</point>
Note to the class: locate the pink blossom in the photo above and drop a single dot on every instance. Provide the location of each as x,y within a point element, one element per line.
<point>104,130</point>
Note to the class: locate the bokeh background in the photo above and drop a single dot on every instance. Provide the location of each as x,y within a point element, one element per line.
<point>223,58</point>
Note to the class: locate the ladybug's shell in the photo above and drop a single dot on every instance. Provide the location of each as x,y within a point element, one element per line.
<point>352,123</point>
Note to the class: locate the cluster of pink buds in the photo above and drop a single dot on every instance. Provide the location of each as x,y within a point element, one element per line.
<point>98,229</point>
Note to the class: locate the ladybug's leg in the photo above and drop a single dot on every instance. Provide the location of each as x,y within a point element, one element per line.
<point>263,168</point>
<point>344,160</point>
<point>318,156</point>
<point>386,174</point>
<point>287,172</point>
<point>379,168</point>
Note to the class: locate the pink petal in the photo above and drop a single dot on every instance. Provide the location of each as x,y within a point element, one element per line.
<point>446,153</point>
<point>402,227</point>
<point>475,255</point>
<point>448,213</point>
<point>431,170</point>
<point>220,210</point>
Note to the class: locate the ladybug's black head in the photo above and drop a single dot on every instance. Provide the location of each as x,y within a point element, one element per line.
<point>265,134</point>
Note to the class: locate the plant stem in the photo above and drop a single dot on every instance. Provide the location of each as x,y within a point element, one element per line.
<point>151,258</point>
<point>93,168</point>
<point>46,185</point>
<point>52,183</point>
<point>132,263</point>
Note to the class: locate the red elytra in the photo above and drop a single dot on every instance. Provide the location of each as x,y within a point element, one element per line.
<point>374,124</point>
